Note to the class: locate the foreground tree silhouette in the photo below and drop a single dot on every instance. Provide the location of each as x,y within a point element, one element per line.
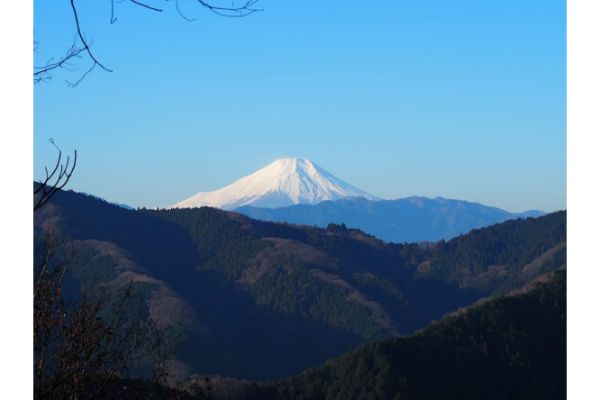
<point>86,344</point>
<point>81,47</point>
<point>86,347</point>
<point>54,180</point>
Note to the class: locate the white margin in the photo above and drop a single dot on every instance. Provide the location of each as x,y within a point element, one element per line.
<point>583,183</point>
<point>16,216</point>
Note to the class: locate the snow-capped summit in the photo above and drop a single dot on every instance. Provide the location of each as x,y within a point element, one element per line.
<point>284,182</point>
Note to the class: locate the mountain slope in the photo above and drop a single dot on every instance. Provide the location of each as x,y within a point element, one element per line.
<point>359,284</point>
<point>284,182</point>
<point>340,277</point>
<point>235,336</point>
<point>258,300</point>
<point>513,347</point>
<point>412,219</point>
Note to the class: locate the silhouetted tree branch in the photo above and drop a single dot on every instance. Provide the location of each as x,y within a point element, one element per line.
<point>82,47</point>
<point>244,9</point>
<point>42,73</point>
<point>54,180</point>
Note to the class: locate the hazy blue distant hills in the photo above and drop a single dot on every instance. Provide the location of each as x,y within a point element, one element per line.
<point>412,219</point>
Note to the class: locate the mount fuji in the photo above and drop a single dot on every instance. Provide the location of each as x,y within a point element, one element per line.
<point>284,182</point>
<point>297,191</point>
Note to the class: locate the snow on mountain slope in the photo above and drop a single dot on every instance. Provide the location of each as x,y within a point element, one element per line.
<point>284,182</point>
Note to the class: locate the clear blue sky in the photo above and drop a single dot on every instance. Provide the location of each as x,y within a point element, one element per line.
<point>460,99</point>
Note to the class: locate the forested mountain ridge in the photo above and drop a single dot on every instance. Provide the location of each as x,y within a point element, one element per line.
<point>390,280</point>
<point>340,277</point>
<point>500,257</point>
<point>512,347</point>
<point>260,300</point>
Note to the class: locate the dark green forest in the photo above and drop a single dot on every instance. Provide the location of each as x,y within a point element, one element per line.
<point>254,300</point>
<point>397,277</point>
<point>513,347</point>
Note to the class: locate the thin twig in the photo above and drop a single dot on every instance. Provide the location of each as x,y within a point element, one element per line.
<point>74,84</point>
<point>234,11</point>
<point>83,41</point>
<point>139,3</point>
<point>42,72</point>
<point>181,14</point>
<point>60,175</point>
<point>83,46</point>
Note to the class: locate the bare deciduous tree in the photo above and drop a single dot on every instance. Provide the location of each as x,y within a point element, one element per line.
<point>54,180</point>
<point>81,46</point>
<point>83,347</point>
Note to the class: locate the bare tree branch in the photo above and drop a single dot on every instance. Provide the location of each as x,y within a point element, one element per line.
<point>113,19</point>
<point>234,11</point>
<point>145,5</point>
<point>181,12</point>
<point>81,346</point>
<point>82,46</point>
<point>43,72</point>
<point>86,47</point>
<point>54,181</point>
<point>74,84</point>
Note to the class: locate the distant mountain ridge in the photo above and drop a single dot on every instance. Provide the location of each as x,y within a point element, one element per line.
<point>297,191</point>
<point>411,219</point>
<point>284,182</point>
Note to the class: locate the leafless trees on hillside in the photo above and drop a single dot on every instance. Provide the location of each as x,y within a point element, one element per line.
<point>86,342</point>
